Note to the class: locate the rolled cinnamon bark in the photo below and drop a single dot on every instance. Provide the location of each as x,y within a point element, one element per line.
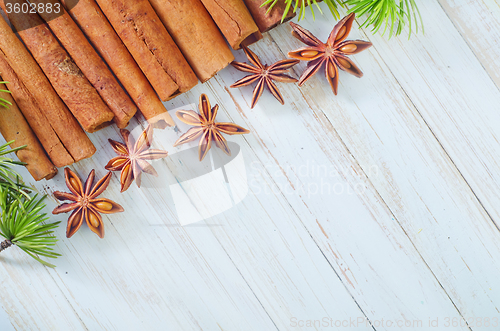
<point>58,131</point>
<point>13,126</point>
<point>234,20</point>
<point>34,115</point>
<point>266,21</point>
<point>65,76</point>
<point>151,45</point>
<point>89,62</point>
<point>196,34</point>
<point>100,33</point>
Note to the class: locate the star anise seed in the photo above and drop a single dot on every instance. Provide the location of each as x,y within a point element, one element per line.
<point>333,54</point>
<point>131,159</point>
<point>85,206</point>
<point>204,125</point>
<point>263,75</point>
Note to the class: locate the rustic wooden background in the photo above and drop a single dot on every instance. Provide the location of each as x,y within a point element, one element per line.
<point>378,205</point>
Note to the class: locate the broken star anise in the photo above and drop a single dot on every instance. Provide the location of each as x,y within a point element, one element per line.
<point>131,159</point>
<point>263,75</point>
<point>205,126</point>
<point>85,206</point>
<point>333,54</point>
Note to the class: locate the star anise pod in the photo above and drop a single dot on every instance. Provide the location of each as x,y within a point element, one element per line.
<point>85,206</point>
<point>205,126</point>
<point>131,159</point>
<point>263,75</point>
<point>333,54</point>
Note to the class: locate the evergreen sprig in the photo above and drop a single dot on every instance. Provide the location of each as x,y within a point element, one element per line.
<point>301,5</point>
<point>22,222</point>
<point>390,14</point>
<point>9,178</point>
<point>3,102</point>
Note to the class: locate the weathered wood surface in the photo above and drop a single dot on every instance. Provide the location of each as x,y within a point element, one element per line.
<point>373,206</point>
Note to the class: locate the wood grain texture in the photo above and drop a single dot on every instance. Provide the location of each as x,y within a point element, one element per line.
<point>374,205</point>
<point>458,101</point>
<point>476,107</point>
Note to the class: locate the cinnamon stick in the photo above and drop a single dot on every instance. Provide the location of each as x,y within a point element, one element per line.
<point>65,76</point>
<point>266,21</point>
<point>90,18</point>
<point>58,131</point>
<point>89,62</point>
<point>34,115</point>
<point>151,45</point>
<point>13,126</point>
<point>234,20</point>
<point>196,34</point>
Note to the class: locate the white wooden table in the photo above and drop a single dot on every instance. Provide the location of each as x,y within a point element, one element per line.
<point>373,210</point>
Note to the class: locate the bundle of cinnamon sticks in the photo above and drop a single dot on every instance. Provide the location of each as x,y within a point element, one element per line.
<point>94,62</point>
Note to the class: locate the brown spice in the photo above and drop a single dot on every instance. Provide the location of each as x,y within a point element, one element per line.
<point>333,53</point>
<point>133,157</point>
<point>205,128</point>
<point>59,133</point>
<point>264,75</point>
<point>89,62</point>
<point>99,31</point>
<point>268,20</point>
<point>65,76</point>
<point>13,126</point>
<point>151,45</point>
<point>234,20</point>
<point>196,34</point>
<point>86,205</point>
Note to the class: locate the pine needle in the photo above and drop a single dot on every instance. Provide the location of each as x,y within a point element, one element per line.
<point>391,15</point>
<point>3,102</point>
<point>22,221</point>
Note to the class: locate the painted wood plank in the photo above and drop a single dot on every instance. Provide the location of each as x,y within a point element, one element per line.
<point>298,282</point>
<point>421,185</point>
<point>117,275</point>
<point>477,22</point>
<point>5,323</point>
<point>345,225</point>
<point>439,305</point>
<point>159,276</point>
<point>242,264</point>
<point>31,298</point>
<point>475,114</point>
<point>467,126</point>
<point>115,284</point>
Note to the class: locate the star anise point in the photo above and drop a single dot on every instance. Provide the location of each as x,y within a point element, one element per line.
<point>131,155</point>
<point>263,75</point>
<point>332,55</point>
<point>204,125</point>
<point>86,205</point>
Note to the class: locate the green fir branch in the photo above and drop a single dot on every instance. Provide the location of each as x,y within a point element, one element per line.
<point>3,102</point>
<point>22,222</point>
<point>300,5</point>
<point>9,178</point>
<point>391,15</point>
